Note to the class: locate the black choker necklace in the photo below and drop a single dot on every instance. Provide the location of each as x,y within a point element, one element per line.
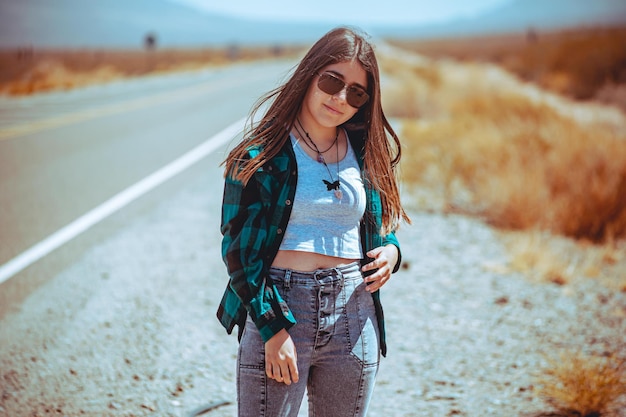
<point>314,148</point>
<point>330,186</point>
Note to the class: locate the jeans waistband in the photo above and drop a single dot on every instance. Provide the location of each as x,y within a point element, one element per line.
<point>347,272</point>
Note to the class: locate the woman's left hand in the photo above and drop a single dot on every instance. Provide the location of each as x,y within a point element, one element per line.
<point>385,258</point>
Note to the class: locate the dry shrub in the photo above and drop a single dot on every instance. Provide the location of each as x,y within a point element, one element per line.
<point>409,87</point>
<point>588,60</point>
<point>545,257</point>
<point>606,263</point>
<point>580,385</point>
<point>486,145</point>
<point>53,75</point>
<point>534,255</point>
<point>27,71</point>
<point>577,62</point>
<point>523,165</point>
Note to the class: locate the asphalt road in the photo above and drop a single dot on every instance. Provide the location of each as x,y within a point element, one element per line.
<point>64,154</point>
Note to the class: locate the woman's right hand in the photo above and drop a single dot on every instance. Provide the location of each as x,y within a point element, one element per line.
<point>281,360</point>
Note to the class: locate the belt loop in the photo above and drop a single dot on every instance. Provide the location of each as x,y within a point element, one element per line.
<point>287,279</point>
<point>341,277</point>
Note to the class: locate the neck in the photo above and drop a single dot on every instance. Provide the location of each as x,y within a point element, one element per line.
<point>322,136</point>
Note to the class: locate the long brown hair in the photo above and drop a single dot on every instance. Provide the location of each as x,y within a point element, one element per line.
<point>381,156</point>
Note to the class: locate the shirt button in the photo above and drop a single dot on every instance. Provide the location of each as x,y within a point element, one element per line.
<point>288,202</point>
<point>279,231</point>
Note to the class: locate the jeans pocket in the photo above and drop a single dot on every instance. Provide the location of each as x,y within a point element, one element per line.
<point>363,327</point>
<point>251,348</point>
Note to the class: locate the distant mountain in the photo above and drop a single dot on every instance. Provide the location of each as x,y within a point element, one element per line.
<point>520,15</point>
<point>125,23</point>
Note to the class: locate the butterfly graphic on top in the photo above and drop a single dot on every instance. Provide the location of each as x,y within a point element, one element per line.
<point>334,186</point>
<point>331,185</point>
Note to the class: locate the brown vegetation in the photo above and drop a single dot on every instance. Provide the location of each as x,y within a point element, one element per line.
<point>28,71</point>
<point>547,258</point>
<point>544,169</point>
<point>524,166</point>
<point>489,147</point>
<point>581,63</point>
<point>479,142</point>
<point>580,385</point>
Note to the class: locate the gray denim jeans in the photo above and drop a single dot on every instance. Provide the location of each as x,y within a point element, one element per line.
<point>337,343</point>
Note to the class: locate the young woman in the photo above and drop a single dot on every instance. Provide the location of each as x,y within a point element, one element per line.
<point>310,208</point>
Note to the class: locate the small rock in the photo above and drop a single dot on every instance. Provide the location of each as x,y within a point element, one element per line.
<point>148,407</point>
<point>502,300</point>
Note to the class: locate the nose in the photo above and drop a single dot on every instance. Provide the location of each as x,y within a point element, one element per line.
<point>342,94</point>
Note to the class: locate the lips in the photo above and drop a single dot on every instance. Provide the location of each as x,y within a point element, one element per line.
<point>332,109</point>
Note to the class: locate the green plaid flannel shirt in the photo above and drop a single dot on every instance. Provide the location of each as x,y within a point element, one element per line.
<point>254,219</point>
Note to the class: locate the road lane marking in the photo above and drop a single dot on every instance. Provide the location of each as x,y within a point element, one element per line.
<point>107,110</point>
<point>117,202</point>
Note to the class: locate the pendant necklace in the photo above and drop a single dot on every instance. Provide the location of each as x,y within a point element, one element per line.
<point>330,186</point>
<point>320,154</point>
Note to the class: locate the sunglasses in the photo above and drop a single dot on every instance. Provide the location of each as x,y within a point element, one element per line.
<point>355,96</point>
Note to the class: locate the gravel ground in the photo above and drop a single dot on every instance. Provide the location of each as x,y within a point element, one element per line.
<point>130,329</point>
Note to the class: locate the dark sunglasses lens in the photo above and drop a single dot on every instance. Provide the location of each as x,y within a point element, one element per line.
<point>356,97</point>
<point>329,84</point>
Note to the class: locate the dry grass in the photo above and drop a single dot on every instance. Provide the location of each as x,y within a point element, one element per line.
<point>477,141</point>
<point>488,149</point>
<point>533,254</point>
<point>544,257</point>
<point>27,71</point>
<point>579,385</point>
<point>544,171</point>
<point>524,166</point>
<point>583,63</point>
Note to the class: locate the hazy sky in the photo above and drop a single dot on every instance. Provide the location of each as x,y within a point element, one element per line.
<point>349,12</point>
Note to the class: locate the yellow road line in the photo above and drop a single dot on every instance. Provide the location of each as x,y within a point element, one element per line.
<point>115,108</point>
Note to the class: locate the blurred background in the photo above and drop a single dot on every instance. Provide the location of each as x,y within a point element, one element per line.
<point>512,113</point>
<point>559,43</point>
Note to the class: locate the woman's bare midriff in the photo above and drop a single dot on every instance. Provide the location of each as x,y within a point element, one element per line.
<point>307,261</point>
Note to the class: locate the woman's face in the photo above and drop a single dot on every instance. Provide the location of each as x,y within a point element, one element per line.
<point>333,110</point>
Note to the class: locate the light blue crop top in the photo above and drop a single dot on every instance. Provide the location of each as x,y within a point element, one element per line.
<point>324,220</point>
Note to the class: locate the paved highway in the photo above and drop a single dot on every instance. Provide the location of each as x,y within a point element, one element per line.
<point>120,319</point>
<point>64,154</point>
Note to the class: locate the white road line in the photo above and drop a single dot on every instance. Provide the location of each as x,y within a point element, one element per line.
<point>115,203</point>
<point>78,116</point>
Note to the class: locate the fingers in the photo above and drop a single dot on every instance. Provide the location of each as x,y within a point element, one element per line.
<point>281,360</point>
<point>383,260</point>
<point>284,371</point>
<point>375,252</point>
<point>377,280</point>
<point>377,260</point>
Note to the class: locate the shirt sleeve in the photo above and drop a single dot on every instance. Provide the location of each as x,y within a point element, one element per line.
<point>244,229</point>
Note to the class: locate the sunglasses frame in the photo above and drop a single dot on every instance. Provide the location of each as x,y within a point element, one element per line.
<point>350,89</point>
